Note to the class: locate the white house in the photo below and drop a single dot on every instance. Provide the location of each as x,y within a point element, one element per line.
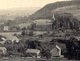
<point>3,51</point>
<point>12,38</point>
<point>26,25</point>
<point>43,24</point>
<point>42,21</point>
<point>56,51</point>
<point>53,17</point>
<point>2,39</point>
<point>6,28</point>
<point>34,53</point>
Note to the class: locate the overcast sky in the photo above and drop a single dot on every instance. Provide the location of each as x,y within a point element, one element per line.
<point>7,4</point>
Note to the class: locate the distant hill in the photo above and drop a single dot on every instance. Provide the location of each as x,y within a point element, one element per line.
<point>63,19</point>
<point>47,11</point>
<point>11,14</point>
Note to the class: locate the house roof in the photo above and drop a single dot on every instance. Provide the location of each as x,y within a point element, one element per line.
<point>46,39</point>
<point>2,48</point>
<point>62,46</point>
<point>12,38</point>
<point>42,21</point>
<point>2,39</point>
<point>2,36</point>
<point>24,25</point>
<point>33,51</point>
<point>77,37</point>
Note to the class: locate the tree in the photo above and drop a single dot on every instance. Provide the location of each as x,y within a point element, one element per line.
<point>65,21</point>
<point>23,33</point>
<point>31,33</point>
<point>72,47</point>
<point>24,28</point>
<point>46,53</point>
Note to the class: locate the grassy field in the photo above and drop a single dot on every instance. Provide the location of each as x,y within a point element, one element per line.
<point>33,59</point>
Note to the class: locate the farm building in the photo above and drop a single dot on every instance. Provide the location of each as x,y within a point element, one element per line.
<point>6,28</point>
<point>58,50</point>
<point>14,28</point>
<point>2,39</point>
<point>12,38</point>
<point>42,25</point>
<point>34,53</point>
<point>3,51</point>
<point>26,25</point>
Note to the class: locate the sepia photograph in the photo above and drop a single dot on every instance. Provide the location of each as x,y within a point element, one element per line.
<point>39,30</point>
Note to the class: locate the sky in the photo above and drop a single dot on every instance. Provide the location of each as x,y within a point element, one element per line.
<point>8,4</point>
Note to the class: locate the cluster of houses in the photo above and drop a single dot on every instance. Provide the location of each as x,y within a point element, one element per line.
<point>56,47</point>
<point>56,50</point>
<point>4,27</point>
<point>40,27</point>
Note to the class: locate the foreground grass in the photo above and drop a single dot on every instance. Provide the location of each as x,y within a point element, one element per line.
<point>32,59</point>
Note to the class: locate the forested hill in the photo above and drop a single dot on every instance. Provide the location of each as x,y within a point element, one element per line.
<point>47,11</point>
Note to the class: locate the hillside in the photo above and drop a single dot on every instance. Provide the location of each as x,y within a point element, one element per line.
<point>73,9</point>
<point>47,11</point>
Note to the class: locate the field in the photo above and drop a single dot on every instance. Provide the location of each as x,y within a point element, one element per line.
<point>9,33</point>
<point>32,59</point>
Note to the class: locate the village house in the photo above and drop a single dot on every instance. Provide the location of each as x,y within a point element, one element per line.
<point>2,39</point>
<point>38,33</point>
<point>3,51</point>
<point>13,38</point>
<point>1,26</point>
<point>14,28</point>
<point>58,50</point>
<point>34,53</point>
<point>42,25</point>
<point>6,28</point>
<point>22,25</point>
